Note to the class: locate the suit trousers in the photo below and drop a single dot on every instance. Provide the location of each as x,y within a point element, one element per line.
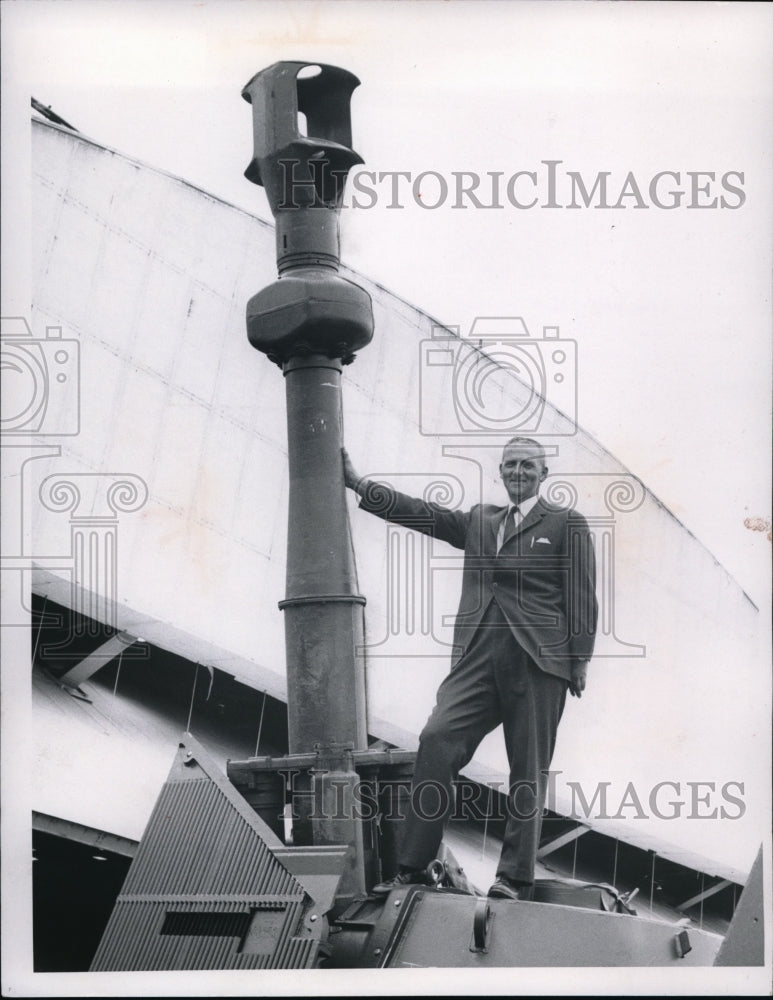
<point>494,681</point>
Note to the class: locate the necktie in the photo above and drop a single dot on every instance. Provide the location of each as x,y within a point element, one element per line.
<point>510,523</point>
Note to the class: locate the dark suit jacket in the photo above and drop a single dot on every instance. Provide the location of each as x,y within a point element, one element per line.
<point>543,579</point>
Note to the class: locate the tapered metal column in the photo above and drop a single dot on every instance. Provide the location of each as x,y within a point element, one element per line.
<point>323,611</point>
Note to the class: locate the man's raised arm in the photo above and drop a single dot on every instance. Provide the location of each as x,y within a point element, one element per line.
<point>380,499</point>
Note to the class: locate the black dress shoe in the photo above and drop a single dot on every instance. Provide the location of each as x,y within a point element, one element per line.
<point>505,888</point>
<point>419,877</point>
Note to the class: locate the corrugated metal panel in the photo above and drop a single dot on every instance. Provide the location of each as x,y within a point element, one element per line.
<point>222,853</point>
<point>135,940</point>
<point>203,856</point>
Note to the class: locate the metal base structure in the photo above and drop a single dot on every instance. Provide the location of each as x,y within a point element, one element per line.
<point>421,927</point>
<point>211,887</point>
<point>337,796</point>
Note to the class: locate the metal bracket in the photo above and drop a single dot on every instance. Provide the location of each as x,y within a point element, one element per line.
<point>481,925</point>
<point>682,944</point>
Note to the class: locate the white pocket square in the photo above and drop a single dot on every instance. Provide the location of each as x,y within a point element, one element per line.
<point>543,541</point>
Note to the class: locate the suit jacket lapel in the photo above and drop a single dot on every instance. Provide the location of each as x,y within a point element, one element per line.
<point>535,514</point>
<point>494,522</point>
<point>493,528</point>
<point>533,517</point>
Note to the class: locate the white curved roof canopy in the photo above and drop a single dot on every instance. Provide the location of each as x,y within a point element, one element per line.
<point>151,277</point>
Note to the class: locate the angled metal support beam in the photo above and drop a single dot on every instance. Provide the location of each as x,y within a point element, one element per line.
<point>712,889</point>
<point>562,840</point>
<point>95,661</point>
<point>81,834</point>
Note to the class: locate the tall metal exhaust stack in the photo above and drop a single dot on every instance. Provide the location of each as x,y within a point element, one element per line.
<point>310,322</point>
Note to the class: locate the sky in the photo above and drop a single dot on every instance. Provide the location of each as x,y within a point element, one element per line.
<point>669,307</point>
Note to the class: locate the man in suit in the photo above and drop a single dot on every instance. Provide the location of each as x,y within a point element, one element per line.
<point>524,634</point>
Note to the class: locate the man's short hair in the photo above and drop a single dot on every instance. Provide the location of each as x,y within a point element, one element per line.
<point>528,441</point>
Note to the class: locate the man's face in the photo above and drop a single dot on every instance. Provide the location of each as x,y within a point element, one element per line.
<point>522,470</point>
